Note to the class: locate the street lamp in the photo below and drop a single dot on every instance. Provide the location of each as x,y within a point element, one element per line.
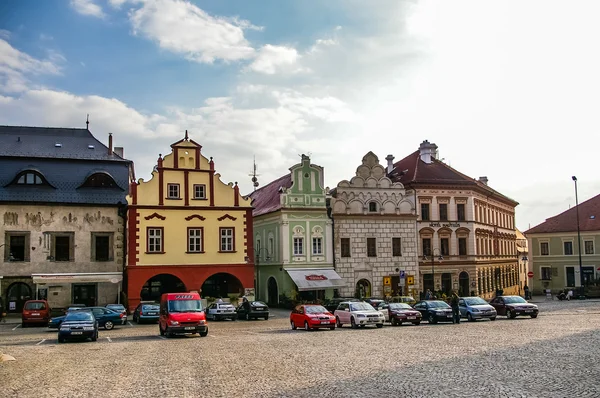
<point>432,255</point>
<point>582,294</point>
<point>256,264</point>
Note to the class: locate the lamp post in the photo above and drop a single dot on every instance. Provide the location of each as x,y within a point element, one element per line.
<point>432,255</point>
<point>256,264</point>
<point>582,291</point>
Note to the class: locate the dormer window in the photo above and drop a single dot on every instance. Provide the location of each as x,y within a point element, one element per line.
<point>30,178</point>
<point>372,207</point>
<point>99,180</point>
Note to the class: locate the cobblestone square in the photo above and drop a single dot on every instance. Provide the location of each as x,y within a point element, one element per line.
<point>554,355</point>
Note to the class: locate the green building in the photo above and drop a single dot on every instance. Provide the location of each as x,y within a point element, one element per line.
<point>292,237</point>
<point>554,252</point>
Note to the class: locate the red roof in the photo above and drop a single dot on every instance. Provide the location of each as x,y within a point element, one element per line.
<point>266,199</point>
<point>436,173</point>
<point>589,214</point>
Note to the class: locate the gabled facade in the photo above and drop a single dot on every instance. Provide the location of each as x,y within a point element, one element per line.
<point>188,231</point>
<point>375,233</point>
<point>292,237</point>
<point>554,250</point>
<point>63,202</point>
<point>466,229</point>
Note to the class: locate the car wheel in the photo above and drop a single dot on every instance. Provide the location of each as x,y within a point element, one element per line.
<point>379,325</point>
<point>23,325</point>
<point>337,322</point>
<point>534,316</point>
<point>394,322</point>
<point>160,329</point>
<point>493,319</point>
<point>470,317</point>
<point>61,340</point>
<point>431,319</point>
<point>416,323</point>
<point>509,314</point>
<point>353,323</point>
<point>332,328</point>
<point>306,327</point>
<point>266,318</point>
<point>293,325</point>
<point>109,325</point>
<point>95,337</point>
<point>204,334</point>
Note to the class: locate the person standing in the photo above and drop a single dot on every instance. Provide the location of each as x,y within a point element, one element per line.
<point>454,305</point>
<point>526,290</point>
<point>428,295</point>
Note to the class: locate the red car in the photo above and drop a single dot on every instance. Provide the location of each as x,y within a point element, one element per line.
<point>35,312</point>
<point>311,316</point>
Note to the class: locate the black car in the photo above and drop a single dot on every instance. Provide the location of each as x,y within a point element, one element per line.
<point>332,304</point>
<point>78,325</point>
<point>252,310</point>
<point>146,312</point>
<point>374,301</point>
<point>434,311</point>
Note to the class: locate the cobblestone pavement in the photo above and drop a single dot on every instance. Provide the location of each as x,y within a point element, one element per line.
<point>555,355</point>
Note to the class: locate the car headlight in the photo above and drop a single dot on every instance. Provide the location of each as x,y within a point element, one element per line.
<point>475,310</point>
<point>174,323</point>
<point>381,313</point>
<point>202,322</point>
<point>64,328</point>
<point>361,315</point>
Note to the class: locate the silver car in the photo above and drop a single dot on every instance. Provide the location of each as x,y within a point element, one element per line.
<point>474,308</point>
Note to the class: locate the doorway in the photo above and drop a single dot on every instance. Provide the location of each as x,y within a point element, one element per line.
<point>18,293</point>
<point>363,288</point>
<point>272,294</point>
<point>85,294</point>
<point>447,283</point>
<point>463,283</point>
<point>570,276</point>
<point>159,284</point>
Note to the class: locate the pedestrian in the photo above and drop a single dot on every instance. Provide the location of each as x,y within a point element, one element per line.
<point>526,289</point>
<point>454,305</point>
<point>428,295</point>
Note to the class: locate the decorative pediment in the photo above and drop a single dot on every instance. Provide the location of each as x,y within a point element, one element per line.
<point>155,215</point>
<point>226,216</point>
<point>198,216</point>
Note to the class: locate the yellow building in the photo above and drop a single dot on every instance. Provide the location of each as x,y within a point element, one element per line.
<point>187,230</point>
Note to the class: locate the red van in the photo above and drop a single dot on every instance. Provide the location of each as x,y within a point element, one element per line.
<point>181,313</point>
<point>35,312</point>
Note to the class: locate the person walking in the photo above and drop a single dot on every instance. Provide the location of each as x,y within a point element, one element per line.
<point>454,305</point>
<point>428,295</point>
<point>526,290</point>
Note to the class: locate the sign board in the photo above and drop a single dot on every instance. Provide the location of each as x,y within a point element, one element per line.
<point>315,277</point>
<point>387,281</point>
<point>410,280</point>
<point>530,274</point>
<point>402,274</point>
<point>12,305</point>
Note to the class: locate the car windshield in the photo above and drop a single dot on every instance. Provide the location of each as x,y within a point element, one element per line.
<point>185,306</point>
<point>399,306</point>
<point>74,308</point>
<point>361,307</point>
<point>258,304</point>
<point>514,299</point>
<point>438,304</point>
<point>150,307</point>
<point>35,306</point>
<point>475,301</point>
<point>79,316</point>
<point>117,307</point>
<point>315,309</point>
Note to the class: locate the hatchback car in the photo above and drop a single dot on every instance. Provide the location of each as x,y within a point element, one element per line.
<point>252,310</point>
<point>399,313</point>
<point>358,314</point>
<point>35,312</point>
<point>219,311</point>
<point>434,311</point>
<point>513,306</point>
<point>78,325</point>
<point>474,308</point>
<point>311,316</point>
<point>332,304</point>
<point>146,312</point>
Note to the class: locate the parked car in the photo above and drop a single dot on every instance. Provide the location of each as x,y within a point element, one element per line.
<point>398,313</point>
<point>252,310</point>
<point>358,314</point>
<point>332,304</point>
<point>374,301</point>
<point>106,318</point>
<point>218,311</point>
<point>118,308</point>
<point>78,325</point>
<point>403,299</point>
<point>434,311</point>
<point>474,308</point>
<point>182,313</point>
<point>513,306</point>
<point>72,307</point>
<point>146,312</point>
<point>35,312</point>
<point>55,322</point>
<point>311,316</point>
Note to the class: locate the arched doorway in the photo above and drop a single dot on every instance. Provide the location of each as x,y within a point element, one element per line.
<point>17,293</point>
<point>363,288</point>
<point>272,291</point>
<point>447,283</point>
<point>159,284</point>
<point>221,285</point>
<point>463,283</point>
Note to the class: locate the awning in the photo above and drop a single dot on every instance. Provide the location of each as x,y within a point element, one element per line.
<point>315,278</point>
<point>112,277</point>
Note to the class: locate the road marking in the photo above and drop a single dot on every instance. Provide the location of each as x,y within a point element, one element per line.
<point>16,327</point>
<point>162,337</point>
<point>109,339</point>
<point>129,323</point>
<point>41,342</point>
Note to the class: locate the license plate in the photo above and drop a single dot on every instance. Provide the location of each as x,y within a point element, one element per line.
<point>190,328</point>
<point>259,309</point>
<point>528,310</point>
<point>76,332</point>
<point>324,322</point>
<point>35,314</point>
<point>373,320</point>
<point>153,313</point>
<point>411,317</point>
<point>448,316</point>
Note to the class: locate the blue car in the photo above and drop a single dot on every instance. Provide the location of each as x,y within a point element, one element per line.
<point>78,325</point>
<point>106,318</point>
<point>55,322</point>
<point>146,312</point>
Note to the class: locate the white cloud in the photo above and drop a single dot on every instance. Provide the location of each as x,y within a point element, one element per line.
<point>4,34</point>
<point>116,3</point>
<point>88,8</point>
<point>276,59</point>
<point>181,27</point>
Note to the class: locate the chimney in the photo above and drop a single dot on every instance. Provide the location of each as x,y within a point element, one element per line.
<point>390,164</point>
<point>110,148</point>
<point>119,151</point>
<point>427,151</point>
<point>483,180</point>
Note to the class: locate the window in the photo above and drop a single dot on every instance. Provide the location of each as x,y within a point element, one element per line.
<point>460,212</point>
<point>99,180</point>
<point>63,246</point>
<point>271,246</point>
<point>227,239</point>
<point>298,246</point>
<point>371,247</point>
<point>30,177</point>
<point>102,243</point>
<point>317,244</point>
<point>195,240</point>
<point>16,247</point>
<point>546,273</point>
<point>443,212</point>
<point>199,191</point>
<point>396,247</point>
<point>426,246</point>
<point>345,247</point>
<point>372,207</point>
<point>589,247</point>
<point>544,249</point>
<point>568,248</point>
<point>445,246</point>
<point>425,211</point>
<point>462,246</point>
<point>155,240</point>
<point>173,191</point>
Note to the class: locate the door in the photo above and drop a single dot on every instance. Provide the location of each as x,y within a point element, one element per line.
<point>463,282</point>
<point>84,294</point>
<point>588,275</point>
<point>18,293</point>
<point>570,276</point>
<point>447,283</point>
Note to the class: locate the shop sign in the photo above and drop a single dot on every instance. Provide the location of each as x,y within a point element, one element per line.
<point>447,225</point>
<point>314,277</point>
<point>410,280</point>
<point>387,281</point>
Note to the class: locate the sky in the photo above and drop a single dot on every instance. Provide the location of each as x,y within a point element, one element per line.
<point>509,90</point>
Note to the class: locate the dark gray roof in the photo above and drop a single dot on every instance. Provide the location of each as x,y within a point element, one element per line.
<point>41,142</point>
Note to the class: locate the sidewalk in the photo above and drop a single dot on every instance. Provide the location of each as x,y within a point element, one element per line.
<point>11,318</point>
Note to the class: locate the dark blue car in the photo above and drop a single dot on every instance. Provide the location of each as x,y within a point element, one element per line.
<point>106,318</point>
<point>78,325</point>
<point>146,312</point>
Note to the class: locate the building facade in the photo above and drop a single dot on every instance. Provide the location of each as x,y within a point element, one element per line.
<point>554,250</point>
<point>188,231</point>
<point>375,233</point>
<point>62,197</point>
<point>466,229</point>
<point>293,237</point>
